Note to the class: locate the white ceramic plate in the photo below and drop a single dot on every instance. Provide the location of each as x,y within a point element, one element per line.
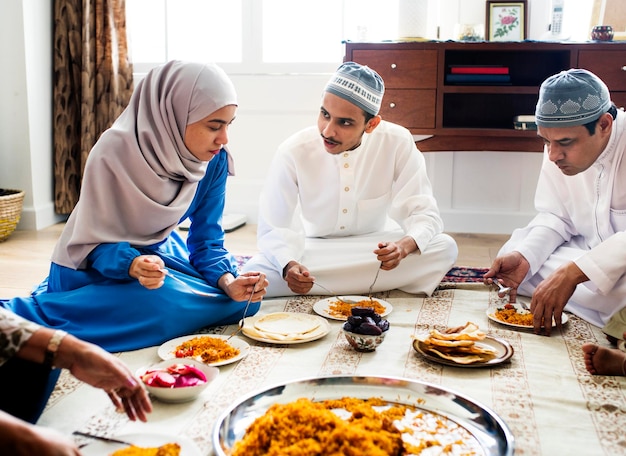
<point>100,448</point>
<point>168,349</point>
<point>488,428</point>
<point>322,307</point>
<point>503,348</point>
<point>491,315</point>
<point>320,331</point>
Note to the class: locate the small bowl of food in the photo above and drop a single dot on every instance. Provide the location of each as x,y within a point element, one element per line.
<point>179,380</point>
<point>365,330</point>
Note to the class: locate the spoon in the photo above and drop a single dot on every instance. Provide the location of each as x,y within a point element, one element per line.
<point>245,311</point>
<point>189,287</point>
<point>340,298</point>
<point>369,293</point>
<point>501,288</point>
<point>99,437</point>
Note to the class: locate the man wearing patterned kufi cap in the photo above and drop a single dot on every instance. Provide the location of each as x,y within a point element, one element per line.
<point>572,256</point>
<point>348,198</point>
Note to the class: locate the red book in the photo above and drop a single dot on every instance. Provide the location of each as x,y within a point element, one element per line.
<point>479,69</point>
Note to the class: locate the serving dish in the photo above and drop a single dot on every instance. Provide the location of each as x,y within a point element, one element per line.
<point>503,348</point>
<point>492,433</point>
<point>182,393</point>
<point>322,307</point>
<point>491,315</point>
<point>168,349</point>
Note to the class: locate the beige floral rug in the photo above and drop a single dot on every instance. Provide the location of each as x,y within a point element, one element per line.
<point>544,394</point>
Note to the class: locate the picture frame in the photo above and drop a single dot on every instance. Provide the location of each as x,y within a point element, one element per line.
<point>506,21</point>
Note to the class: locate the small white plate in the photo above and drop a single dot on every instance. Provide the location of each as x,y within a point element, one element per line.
<point>168,349</point>
<point>249,329</point>
<point>503,348</point>
<point>492,310</point>
<point>322,307</point>
<point>99,448</point>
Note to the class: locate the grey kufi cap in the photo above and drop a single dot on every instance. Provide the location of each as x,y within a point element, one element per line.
<point>358,84</point>
<point>571,98</point>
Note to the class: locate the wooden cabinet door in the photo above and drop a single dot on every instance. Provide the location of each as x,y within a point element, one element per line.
<point>409,108</point>
<point>402,69</point>
<point>610,66</point>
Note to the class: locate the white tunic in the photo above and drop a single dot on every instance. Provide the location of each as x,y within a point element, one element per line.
<point>581,218</point>
<point>328,212</point>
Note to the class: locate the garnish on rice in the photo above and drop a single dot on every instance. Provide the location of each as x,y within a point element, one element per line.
<point>208,349</point>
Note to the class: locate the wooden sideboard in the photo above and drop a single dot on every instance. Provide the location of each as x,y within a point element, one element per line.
<point>479,116</point>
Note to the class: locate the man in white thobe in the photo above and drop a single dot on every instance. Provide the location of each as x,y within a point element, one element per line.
<point>572,255</point>
<point>347,198</point>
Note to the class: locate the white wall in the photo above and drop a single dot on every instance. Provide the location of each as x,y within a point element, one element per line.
<point>25,108</point>
<point>481,192</point>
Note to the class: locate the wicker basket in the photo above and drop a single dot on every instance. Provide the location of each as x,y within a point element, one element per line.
<point>10,211</point>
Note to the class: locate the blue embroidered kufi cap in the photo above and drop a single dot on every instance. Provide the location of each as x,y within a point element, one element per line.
<point>571,98</point>
<point>358,84</point>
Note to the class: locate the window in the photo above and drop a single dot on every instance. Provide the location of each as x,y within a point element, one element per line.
<point>254,36</point>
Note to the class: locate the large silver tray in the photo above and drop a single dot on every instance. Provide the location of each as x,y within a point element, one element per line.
<point>487,427</point>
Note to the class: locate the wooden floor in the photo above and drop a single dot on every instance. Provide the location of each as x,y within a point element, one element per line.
<point>25,255</point>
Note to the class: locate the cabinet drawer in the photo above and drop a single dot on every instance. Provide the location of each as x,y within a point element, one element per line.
<point>607,65</point>
<point>409,108</point>
<point>411,69</point>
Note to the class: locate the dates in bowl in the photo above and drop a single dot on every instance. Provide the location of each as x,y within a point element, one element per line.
<point>365,329</point>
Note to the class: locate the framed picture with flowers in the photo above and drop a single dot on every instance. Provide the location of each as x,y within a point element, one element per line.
<point>506,21</point>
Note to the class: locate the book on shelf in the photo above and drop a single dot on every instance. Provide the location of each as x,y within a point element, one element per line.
<point>478,78</point>
<point>479,69</point>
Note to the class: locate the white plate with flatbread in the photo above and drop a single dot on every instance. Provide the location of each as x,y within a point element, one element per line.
<point>168,349</point>
<point>285,328</point>
<point>323,306</point>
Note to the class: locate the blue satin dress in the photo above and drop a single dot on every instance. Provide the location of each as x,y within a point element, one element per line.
<point>102,304</point>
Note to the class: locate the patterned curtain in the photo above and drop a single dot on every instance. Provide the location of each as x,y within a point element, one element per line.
<point>93,81</point>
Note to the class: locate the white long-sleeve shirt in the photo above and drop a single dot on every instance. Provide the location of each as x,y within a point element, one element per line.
<point>585,212</point>
<point>311,193</point>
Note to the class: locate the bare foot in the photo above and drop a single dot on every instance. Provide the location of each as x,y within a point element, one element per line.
<point>604,361</point>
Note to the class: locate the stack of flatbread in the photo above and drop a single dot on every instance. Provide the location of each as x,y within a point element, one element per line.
<point>460,345</point>
<point>284,326</point>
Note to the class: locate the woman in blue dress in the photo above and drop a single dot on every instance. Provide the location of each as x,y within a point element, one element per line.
<point>162,161</point>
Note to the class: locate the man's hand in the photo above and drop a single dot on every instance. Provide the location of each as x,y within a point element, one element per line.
<point>390,254</point>
<point>511,268</point>
<point>551,296</point>
<point>298,278</point>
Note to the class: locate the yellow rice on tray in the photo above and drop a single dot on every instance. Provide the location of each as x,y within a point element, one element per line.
<point>169,449</point>
<point>352,427</point>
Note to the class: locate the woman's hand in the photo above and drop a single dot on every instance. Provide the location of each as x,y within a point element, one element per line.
<point>147,269</point>
<point>240,288</point>
<point>100,369</point>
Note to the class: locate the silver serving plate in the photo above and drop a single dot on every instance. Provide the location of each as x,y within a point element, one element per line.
<point>488,428</point>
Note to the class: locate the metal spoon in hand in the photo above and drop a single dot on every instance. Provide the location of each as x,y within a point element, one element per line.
<point>501,288</point>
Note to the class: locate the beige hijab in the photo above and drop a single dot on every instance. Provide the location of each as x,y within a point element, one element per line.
<point>140,178</point>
